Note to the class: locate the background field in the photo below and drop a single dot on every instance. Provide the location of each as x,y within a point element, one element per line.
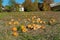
<point>51,32</point>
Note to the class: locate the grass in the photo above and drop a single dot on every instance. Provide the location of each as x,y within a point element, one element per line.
<point>51,32</point>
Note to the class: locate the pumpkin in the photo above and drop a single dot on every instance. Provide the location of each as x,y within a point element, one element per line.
<point>33,24</point>
<point>16,23</point>
<point>53,20</point>
<point>44,22</point>
<point>15,34</point>
<point>28,19</point>
<point>34,28</point>
<point>38,26</point>
<point>41,21</point>
<point>34,16</point>
<point>38,19</point>
<point>12,19</point>
<point>23,28</point>
<point>10,23</point>
<point>14,29</point>
<point>29,26</point>
<point>42,27</point>
<point>33,21</point>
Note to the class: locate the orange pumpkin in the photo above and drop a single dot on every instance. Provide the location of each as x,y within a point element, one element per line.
<point>34,24</point>
<point>41,21</point>
<point>24,30</point>
<point>42,27</point>
<point>14,29</point>
<point>38,26</point>
<point>15,34</point>
<point>29,26</point>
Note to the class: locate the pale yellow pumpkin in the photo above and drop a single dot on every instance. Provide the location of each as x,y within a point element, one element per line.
<point>10,23</point>
<point>12,19</point>
<point>23,28</point>
<point>16,23</point>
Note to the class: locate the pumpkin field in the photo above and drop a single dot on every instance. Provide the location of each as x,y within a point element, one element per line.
<point>30,26</point>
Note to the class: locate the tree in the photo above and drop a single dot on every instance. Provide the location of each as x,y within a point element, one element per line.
<point>12,2</point>
<point>28,5</point>
<point>36,5</point>
<point>46,5</point>
<point>13,5</point>
<point>31,6</point>
<point>49,1</point>
<point>8,8</point>
<point>17,7</point>
<point>0,5</point>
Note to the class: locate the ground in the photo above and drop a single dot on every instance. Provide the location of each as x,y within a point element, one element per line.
<point>50,31</point>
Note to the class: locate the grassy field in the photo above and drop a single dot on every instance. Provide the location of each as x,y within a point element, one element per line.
<point>46,24</point>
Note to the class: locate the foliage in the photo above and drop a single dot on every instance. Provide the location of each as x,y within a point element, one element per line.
<point>8,7</point>
<point>35,5</point>
<point>46,6</point>
<point>0,5</point>
<point>14,5</point>
<point>28,5</point>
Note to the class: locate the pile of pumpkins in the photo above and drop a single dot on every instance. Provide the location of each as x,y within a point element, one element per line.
<point>32,26</point>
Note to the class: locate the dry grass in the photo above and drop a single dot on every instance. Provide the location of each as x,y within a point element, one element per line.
<point>46,31</point>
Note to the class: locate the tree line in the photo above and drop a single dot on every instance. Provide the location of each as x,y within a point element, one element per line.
<point>28,5</point>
